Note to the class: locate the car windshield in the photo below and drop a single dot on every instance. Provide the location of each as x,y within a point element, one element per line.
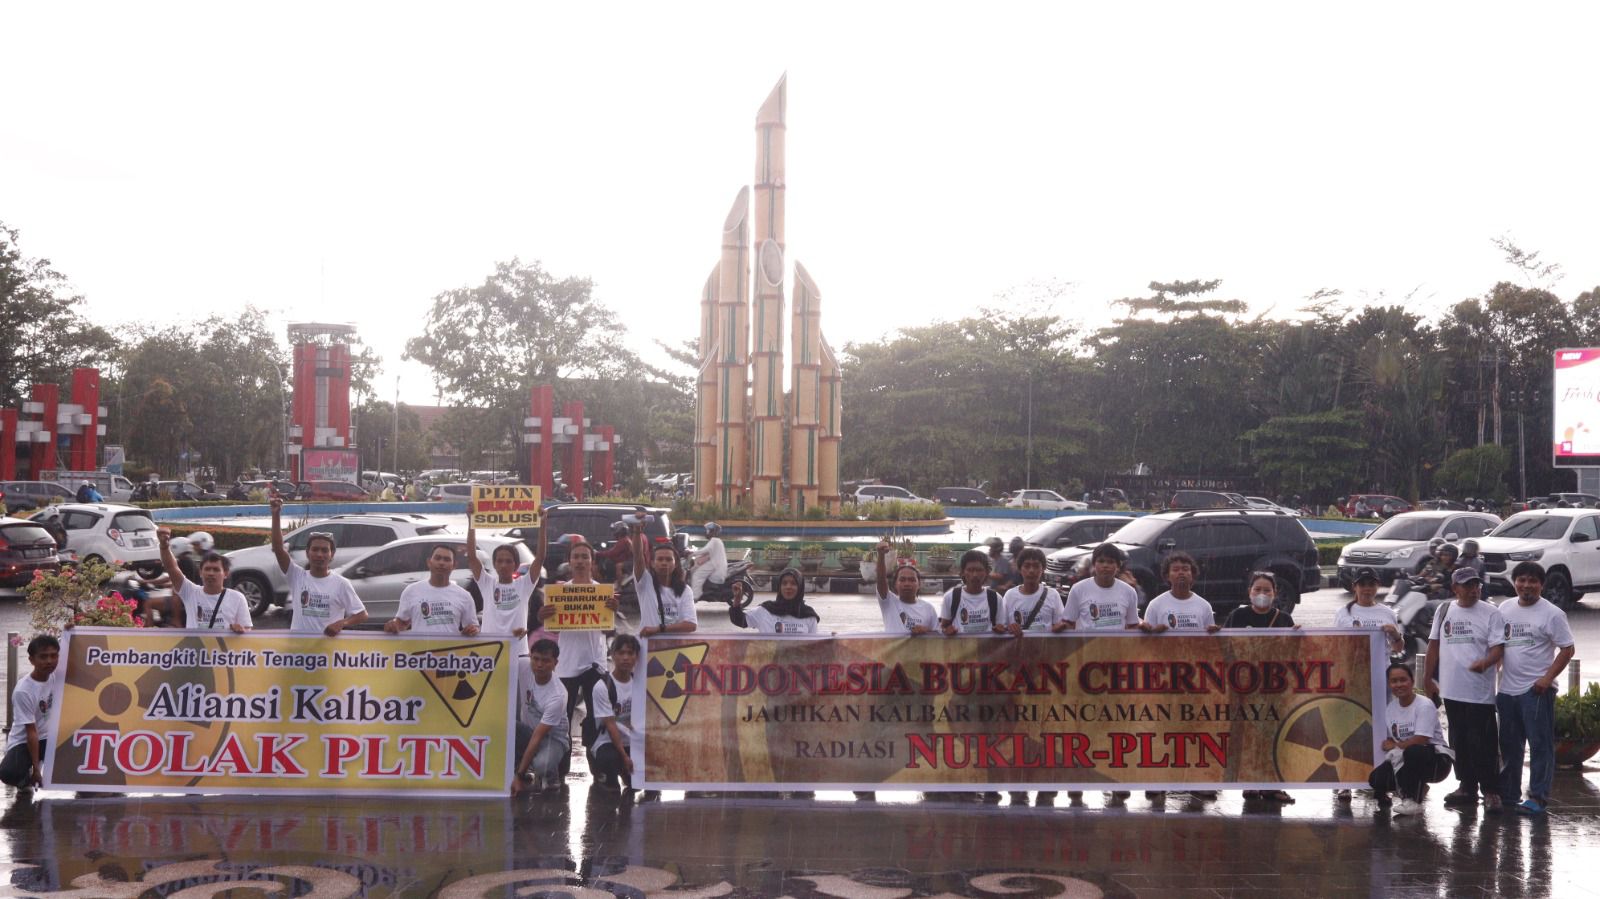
<point>25,535</point>
<point>1140,531</point>
<point>133,521</point>
<point>1044,534</point>
<point>1406,529</point>
<point>1534,527</point>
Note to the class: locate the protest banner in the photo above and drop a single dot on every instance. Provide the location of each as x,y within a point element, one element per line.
<point>505,506</point>
<point>197,712</point>
<point>1126,711</point>
<point>579,607</point>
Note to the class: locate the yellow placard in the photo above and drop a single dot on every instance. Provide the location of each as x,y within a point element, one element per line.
<point>579,607</point>
<point>505,506</point>
<point>196,712</point>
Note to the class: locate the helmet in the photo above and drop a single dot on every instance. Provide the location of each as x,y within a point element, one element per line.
<point>713,528</point>
<point>619,529</point>
<point>1435,543</point>
<point>1469,547</point>
<point>1016,545</point>
<point>1451,548</point>
<point>994,543</point>
<point>178,545</point>
<point>203,542</point>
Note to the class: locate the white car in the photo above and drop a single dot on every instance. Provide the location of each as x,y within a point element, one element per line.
<point>107,532</point>
<point>1044,499</point>
<point>380,575</point>
<point>1267,505</point>
<point>255,570</point>
<point>873,493</point>
<point>1565,541</point>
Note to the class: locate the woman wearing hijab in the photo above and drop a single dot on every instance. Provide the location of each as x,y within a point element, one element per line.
<point>787,614</point>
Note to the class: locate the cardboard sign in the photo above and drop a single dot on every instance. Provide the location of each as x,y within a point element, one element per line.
<point>505,506</point>
<point>579,607</point>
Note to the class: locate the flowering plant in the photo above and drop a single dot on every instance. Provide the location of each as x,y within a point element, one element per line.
<point>110,611</point>
<point>57,598</point>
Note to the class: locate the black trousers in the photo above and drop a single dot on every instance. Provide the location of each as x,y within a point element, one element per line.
<point>607,762</point>
<point>1422,764</point>
<point>1475,737</point>
<point>18,765</point>
<point>578,687</point>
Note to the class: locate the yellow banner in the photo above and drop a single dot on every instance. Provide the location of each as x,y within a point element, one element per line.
<point>1092,711</point>
<point>505,506</point>
<point>579,607</point>
<point>191,711</point>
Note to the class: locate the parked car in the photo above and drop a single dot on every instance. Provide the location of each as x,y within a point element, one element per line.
<point>255,570</point>
<point>594,521</point>
<point>1565,541</point>
<point>962,496</point>
<point>107,532</point>
<point>320,491</point>
<point>457,493</point>
<point>114,488</point>
<point>1073,530</point>
<point>382,573</point>
<point>870,493</point>
<point>1266,505</point>
<point>1227,544</point>
<point>173,491</point>
<point>23,495</point>
<point>1201,499</point>
<point>1399,546</point>
<point>25,547</point>
<point>286,489</point>
<point>1044,499</point>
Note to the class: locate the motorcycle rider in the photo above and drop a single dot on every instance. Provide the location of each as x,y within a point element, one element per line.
<point>620,555</point>
<point>1470,557</point>
<point>710,561</point>
<point>1435,575</point>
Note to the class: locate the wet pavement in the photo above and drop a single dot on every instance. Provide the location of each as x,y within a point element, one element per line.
<point>589,844</point>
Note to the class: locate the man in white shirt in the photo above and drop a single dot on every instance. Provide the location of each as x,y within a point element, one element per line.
<point>209,605</point>
<point>710,561</point>
<point>1102,601</point>
<point>320,601</point>
<point>1467,642</point>
<point>436,606</point>
<point>32,708</point>
<point>1539,645</point>
<point>544,732</point>
<point>903,612</point>
<point>972,607</point>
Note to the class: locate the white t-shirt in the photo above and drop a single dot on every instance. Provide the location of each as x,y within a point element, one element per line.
<point>1017,606</point>
<point>1421,717</point>
<point>1093,607</point>
<point>505,606</point>
<point>622,711</point>
<point>1192,614</point>
<point>1471,632</point>
<point>713,558</point>
<point>544,704</point>
<point>207,612</point>
<point>319,601</point>
<point>436,610</point>
<point>767,623</point>
<point>1353,614</point>
<point>1533,633</point>
<point>968,611</point>
<point>32,702</point>
<point>580,651</point>
<point>678,607</point>
<point>900,617</point>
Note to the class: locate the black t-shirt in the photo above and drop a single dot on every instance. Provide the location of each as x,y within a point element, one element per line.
<point>1245,616</point>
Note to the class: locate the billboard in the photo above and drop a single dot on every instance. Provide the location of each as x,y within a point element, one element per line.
<point>330,465</point>
<point>1576,416</point>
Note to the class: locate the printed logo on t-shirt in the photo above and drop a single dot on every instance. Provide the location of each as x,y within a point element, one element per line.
<point>505,597</point>
<point>305,598</point>
<point>1520,634</point>
<point>1458,632</point>
<point>905,620</point>
<point>1172,619</point>
<point>423,608</point>
<point>1017,616</point>
<point>1094,610</point>
<point>44,705</point>
<point>1508,632</point>
<point>963,616</point>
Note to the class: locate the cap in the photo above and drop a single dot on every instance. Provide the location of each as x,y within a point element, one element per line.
<point>1466,575</point>
<point>1365,574</point>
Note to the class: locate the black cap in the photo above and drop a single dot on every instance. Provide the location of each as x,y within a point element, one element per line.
<point>1364,574</point>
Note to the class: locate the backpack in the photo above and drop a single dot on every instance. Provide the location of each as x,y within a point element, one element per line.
<point>591,727</point>
<point>954,599</point>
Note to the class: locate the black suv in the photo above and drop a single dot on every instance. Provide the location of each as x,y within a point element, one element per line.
<point>1228,544</point>
<point>961,496</point>
<point>593,521</point>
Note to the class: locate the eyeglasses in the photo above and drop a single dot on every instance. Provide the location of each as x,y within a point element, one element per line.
<point>327,535</point>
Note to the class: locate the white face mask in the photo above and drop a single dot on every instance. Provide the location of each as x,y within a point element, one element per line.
<point>1261,601</point>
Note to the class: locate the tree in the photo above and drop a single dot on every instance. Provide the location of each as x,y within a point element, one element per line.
<point>1478,471</point>
<point>1315,454</point>
<point>44,336</point>
<point>375,425</point>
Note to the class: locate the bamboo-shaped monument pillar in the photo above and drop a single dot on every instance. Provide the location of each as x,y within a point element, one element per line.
<point>766,487</point>
<point>832,434</point>
<point>705,408</point>
<point>733,355</point>
<point>805,392</point>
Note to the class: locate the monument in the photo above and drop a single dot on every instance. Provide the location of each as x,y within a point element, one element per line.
<point>744,416</point>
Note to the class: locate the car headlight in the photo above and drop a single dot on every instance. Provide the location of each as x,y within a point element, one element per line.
<point>1403,553</point>
<point>1532,555</point>
<point>1343,560</point>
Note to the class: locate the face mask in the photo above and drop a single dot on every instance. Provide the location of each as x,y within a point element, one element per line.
<point>1261,601</point>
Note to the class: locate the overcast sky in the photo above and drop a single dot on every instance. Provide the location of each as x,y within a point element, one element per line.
<point>347,162</point>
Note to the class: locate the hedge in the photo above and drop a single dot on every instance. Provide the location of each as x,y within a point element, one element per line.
<point>228,538</point>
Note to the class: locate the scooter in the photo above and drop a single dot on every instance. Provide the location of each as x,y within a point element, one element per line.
<point>722,592</point>
<point>1414,609</point>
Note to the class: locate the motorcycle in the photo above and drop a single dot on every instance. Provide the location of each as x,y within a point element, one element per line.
<point>1414,609</point>
<point>738,570</point>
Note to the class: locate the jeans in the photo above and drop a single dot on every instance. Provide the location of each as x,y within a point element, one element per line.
<point>554,749</point>
<point>580,686</point>
<point>1528,719</point>
<point>1476,742</point>
<point>1422,764</point>
<point>17,766</point>
<point>607,764</point>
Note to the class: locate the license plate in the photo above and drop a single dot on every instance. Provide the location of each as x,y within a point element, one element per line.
<point>142,542</point>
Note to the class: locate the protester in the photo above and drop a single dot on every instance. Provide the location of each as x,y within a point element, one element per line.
<point>710,560</point>
<point>436,606</point>
<point>903,612</point>
<point>612,756</point>
<point>544,731</point>
<point>1417,754</point>
<point>32,708</point>
<point>1262,611</point>
<point>787,614</point>
<point>1365,611</point>
<point>1539,644</point>
<point>210,604</point>
<point>972,607</point>
<point>667,609</point>
<point>1179,609</point>
<point>1032,607</point>
<point>581,651</point>
<point>1467,642</point>
<point>1103,601</point>
<point>510,602</point>
<point>320,601</point>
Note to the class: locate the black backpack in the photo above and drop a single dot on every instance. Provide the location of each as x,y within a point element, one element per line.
<point>591,727</point>
<point>954,598</point>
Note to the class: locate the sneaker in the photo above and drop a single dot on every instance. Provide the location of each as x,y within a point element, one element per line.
<point>1530,807</point>
<point>1383,799</point>
<point>1461,796</point>
<point>1407,807</point>
<point>1341,795</point>
<point>1493,804</point>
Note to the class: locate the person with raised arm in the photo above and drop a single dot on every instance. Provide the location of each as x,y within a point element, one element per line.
<point>320,601</point>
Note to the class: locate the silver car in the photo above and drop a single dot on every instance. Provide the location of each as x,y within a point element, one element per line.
<point>381,575</point>
<point>256,573</point>
<point>1400,545</point>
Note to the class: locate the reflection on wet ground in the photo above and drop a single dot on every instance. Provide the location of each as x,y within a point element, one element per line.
<point>592,846</point>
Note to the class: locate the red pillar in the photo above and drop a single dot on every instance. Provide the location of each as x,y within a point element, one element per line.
<point>542,452</point>
<point>337,374</point>
<point>574,472</point>
<point>44,451</point>
<point>8,444</point>
<point>303,403</point>
<point>84,451</point>
<point>604,471</point>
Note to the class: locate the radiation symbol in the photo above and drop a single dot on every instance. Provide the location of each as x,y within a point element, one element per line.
<point>665,674</point>
<point>1325,740</point>
<point>461,691</point>
<point>95,698</point>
